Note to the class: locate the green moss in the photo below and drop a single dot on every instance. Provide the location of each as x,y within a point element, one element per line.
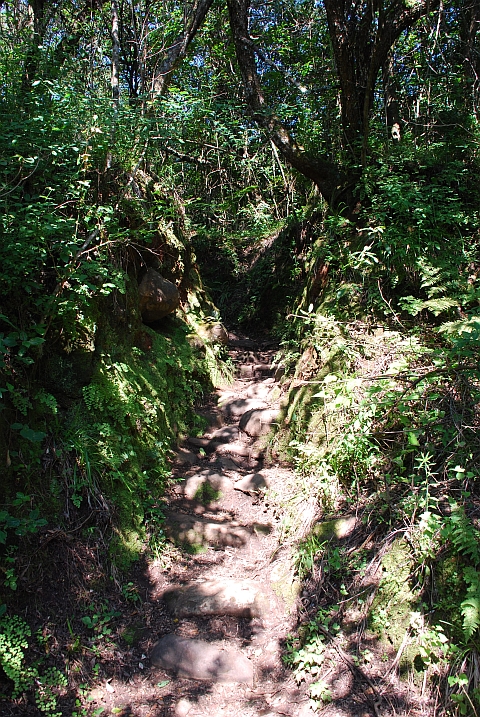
<point>394,601</point>
<point>206,493</point>
<point>135,407</point>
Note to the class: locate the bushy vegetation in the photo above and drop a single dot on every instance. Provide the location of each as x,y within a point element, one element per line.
<point>329,187</point>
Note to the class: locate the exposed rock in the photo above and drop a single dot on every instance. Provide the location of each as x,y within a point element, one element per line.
<point>338,528</point>
<point>239,598</point>
<point>185,457</point>
<point>279,373</point>
<point>284,582</point>
<point>197,531</point>
<point>236,407</point>
<point>200,660</point>
<point>253,483</point>
<point>259,390</point>
<point>257,422</point>
<point>205,443</point>
<point>194,484</point>
<point>158,297</point>
<point>213,418</point>
<point>227,463</point>
<point>213,331</point>
<point>234,449</point>
<point>226,434</point>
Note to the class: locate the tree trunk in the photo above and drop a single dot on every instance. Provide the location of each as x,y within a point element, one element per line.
<point>179,48</point>
<point>325,174</point>
<point>392,109</point>
<point>115,54</point>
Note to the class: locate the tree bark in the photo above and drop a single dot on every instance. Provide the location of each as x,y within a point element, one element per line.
<point>115,81</point>
<point>177,52</point>
<point>362,36</point>
<point>390,98</point>
<point>325,174</point>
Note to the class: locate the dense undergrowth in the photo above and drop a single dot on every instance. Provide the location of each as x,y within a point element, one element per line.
<point>382,393</point>
<point>376,306</point>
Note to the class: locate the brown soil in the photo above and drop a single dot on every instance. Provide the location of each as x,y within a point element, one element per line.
<point>109,667</point>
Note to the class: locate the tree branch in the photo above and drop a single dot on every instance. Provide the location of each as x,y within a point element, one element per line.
<point>177,51</point>
<point>322,172</point>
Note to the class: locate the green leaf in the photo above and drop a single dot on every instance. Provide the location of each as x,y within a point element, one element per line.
<point>31,435</point>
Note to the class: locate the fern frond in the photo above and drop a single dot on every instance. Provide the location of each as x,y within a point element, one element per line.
<point>471,616</point>
<point>460,531</point>
<point>436,306</point>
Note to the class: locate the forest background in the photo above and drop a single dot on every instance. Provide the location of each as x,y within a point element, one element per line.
<point>316,165</point>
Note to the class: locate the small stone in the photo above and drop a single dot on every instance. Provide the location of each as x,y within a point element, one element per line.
<point>198,660</point>
<point>239,598</point>
<point>182,708</point>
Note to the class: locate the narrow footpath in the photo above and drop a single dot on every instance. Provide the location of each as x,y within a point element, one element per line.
<point>228,609</point>
<point>221,606</point>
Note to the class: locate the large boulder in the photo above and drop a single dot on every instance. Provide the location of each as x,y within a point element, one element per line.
<point>158,297</point>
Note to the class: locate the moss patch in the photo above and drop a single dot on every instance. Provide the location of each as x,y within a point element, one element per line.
<point>393,604</point>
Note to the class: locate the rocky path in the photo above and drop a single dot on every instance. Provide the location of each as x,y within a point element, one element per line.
<point>208,639</point>
<point>228,609</point>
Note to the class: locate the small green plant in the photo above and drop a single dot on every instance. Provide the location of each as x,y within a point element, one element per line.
<point>320,693</point>
<point>14,641</point>
<point>460,699</point>
<point>14,634</point>
<point>206,493</point>
<point>307,553</point>
<point>45,695</point>
<point>100,621</point>
<point>130,593</point>
<point>306,660</point>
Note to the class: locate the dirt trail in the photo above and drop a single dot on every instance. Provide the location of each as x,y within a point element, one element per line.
<point>219,612</point>
<point>220,607</point>
<point>228,610</point>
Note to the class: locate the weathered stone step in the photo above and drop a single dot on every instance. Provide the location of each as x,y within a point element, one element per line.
<point>202,484</point>
<point>258,421</point>
<point>236,407</point>
<point>260,389</point>
<point>200,660</point>
<point>251,369</point>
<point>252,483</point>
<point>194,530</point>
<point>238,598</point>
